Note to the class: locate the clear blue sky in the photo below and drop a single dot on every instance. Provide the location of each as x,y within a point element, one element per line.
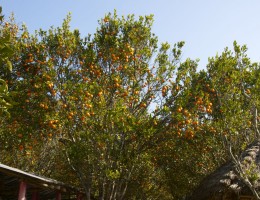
<point>206,26</point>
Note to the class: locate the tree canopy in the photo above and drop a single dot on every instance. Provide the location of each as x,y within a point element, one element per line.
<point>122,116</point>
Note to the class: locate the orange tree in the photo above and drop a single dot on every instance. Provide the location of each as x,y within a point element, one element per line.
<point>119,115</point>
<point>218,115</point>
<point>28,120</point>
<point>192,147</point>
<point>5,64</point>
<point>137,99</point>
<point>112,120</point>
<point>100,105</point>
<point>235,80</point>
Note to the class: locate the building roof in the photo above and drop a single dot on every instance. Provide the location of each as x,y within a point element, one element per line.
<point>225,182</point>
<point>10,179</point>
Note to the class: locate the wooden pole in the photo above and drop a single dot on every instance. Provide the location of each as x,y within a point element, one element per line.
<point>35,195</point>
<point>58,195</point>
<point>79,196</point>
<point>22,191</point>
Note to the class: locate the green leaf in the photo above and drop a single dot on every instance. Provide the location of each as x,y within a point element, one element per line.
<point>3,86</point>
<point>9,65</point>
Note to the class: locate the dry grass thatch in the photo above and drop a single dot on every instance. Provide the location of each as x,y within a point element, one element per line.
<point>224,183</point>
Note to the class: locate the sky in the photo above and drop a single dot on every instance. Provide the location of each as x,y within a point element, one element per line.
<point>207,27</point>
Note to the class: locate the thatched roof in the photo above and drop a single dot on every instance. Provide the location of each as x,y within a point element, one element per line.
<point>225,183</point>
<point>10,179</point>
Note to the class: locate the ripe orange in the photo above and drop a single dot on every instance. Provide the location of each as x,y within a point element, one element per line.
<point>179,109</point>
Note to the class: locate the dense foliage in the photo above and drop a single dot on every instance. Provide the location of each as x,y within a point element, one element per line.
<point>122,117</point>
<point>5,64</point>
